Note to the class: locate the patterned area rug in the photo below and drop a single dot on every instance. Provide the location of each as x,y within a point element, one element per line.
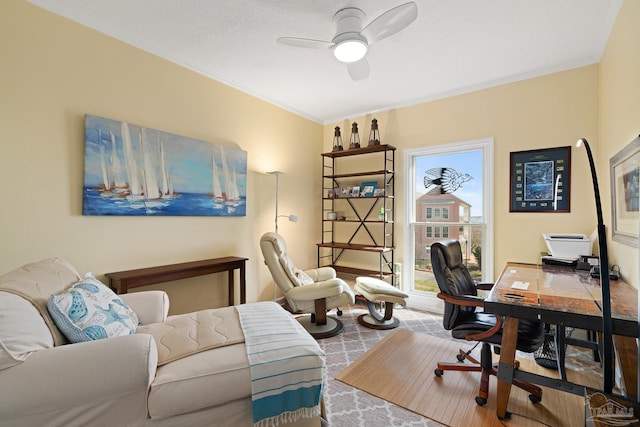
<point>347,406</point>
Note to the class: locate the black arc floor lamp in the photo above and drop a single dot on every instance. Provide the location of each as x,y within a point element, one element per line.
<point>604,279</point>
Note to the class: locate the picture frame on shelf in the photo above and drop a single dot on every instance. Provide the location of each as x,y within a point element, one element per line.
<point>355,191</point>
<point>331,193</point>
<point>368,188</point>
<point>378,192</point>
<point>345,190</point>
<point>625,193</point>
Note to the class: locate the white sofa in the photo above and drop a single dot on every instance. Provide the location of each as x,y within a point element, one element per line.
<point>44,381</point>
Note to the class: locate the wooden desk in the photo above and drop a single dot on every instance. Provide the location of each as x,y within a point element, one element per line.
<point>122,281</point>
<point>556,295</point>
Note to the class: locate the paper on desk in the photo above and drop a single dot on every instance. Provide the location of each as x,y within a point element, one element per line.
<point>520,285</point>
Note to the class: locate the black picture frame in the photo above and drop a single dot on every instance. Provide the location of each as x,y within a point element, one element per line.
<point>540,180</point>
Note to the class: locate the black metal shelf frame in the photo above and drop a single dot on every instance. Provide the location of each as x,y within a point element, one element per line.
<point>380,232</point>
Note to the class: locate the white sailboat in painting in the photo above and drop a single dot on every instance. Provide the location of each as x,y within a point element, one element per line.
<point>231,195</point>
<point>105,176</point>
<point>119,185</point>
<point>112,184</point>
<point>151,188</point>
<point>135,190</point>
<point>218,197</point>
<point>172,193</point>
<point>235,194</point>
<point>167,181</point>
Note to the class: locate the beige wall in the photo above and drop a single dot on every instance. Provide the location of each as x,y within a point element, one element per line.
<point>619,116</point>
<point>549,111</point>
<point>53,72</point>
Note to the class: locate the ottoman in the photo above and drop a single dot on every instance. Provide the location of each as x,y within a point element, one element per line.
<point>373,290</point>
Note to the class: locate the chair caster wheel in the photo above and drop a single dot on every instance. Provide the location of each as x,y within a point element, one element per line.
<point>481,401</point>
<point>534,398</point>
<point>460,358</point>
<point>507,415</point>
<point>438,372</point>
<point>339,312</point>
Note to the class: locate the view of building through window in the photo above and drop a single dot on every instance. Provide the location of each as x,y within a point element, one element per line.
<point>448,197</point>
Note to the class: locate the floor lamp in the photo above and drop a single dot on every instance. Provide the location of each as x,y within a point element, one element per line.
<point>292,218</point>
<point>604,278</point>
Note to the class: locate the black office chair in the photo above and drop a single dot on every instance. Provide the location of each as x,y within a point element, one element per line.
<point>460,294</point>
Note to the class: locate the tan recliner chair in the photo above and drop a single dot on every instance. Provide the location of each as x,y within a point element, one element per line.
<point>312,291</point>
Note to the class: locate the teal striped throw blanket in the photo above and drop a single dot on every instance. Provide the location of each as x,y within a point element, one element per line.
<point>287,365</point>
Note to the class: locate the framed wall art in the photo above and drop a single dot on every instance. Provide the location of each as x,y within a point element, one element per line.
<point>135,171</point>
<point>540,180</point>
<point>625,193</point>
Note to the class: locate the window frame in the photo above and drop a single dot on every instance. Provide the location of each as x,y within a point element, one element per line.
<point>428,301</point>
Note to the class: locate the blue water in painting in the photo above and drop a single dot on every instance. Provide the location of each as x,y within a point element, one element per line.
<point>183,204</point>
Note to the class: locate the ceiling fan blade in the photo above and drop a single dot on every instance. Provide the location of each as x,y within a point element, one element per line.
<point>390,22</point>
<point>359,70</point>
<point>307,43</point>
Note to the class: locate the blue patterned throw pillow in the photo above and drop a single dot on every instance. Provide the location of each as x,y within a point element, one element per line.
<point>89,311</point>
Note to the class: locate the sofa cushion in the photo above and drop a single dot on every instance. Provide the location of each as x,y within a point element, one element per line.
<point>89,310</point>
<point>210,378</point>
<point>37,281</point>
<point>185,334</point>
<point>22,330</point>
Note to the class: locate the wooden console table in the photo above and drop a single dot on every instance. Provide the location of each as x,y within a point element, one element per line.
<point>122,281</point>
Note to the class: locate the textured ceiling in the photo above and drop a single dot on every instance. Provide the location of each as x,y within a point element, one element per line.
<point>454,46</point>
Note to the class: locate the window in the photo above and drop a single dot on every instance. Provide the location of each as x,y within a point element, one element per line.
<point>463,211</point>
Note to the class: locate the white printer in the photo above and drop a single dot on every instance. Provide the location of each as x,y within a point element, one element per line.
<point>567,246</point>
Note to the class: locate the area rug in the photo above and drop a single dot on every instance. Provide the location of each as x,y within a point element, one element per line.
<point>399,369</point>
<point>348,406</point>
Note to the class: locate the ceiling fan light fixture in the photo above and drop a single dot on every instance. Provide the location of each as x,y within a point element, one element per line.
<point>350,50</point>
<point>352,39</point>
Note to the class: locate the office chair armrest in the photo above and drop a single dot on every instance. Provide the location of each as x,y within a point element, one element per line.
<point>480,336</point>
<point>484,286</point>
<point>464,300</point>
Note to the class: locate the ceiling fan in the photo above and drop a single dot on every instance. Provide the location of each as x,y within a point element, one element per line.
<point>352,38</point>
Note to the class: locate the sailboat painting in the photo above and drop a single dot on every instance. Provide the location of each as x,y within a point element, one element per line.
<point>133,170</point>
